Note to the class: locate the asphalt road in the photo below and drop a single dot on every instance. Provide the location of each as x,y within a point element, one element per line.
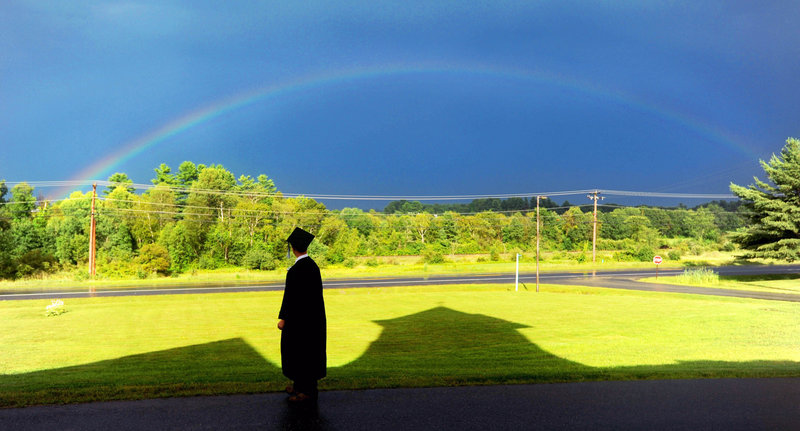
<point>609,279</point>
<point>725,404</point>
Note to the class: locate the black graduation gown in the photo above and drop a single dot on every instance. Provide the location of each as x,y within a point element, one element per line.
<point>303,355</point>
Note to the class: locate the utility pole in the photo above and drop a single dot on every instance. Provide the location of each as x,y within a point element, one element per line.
<point>537,241</point>
<point>594,196</point>
<point>92,242</point>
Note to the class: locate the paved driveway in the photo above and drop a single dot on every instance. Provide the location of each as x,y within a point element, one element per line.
<point>724,404</point>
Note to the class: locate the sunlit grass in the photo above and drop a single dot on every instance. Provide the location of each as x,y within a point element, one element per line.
<point>139,347</point>
<point>775,283</point>
<point>384,266</point>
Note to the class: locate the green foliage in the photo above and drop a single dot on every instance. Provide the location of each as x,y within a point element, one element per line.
<point>259,258</point>
<point>119,180</point>
<point>773,209</point>
<point>698,277</point>
<point>207,217</point>
<point>22,201</point>
<point>154,258</point>
<point>637,253</point>
<point>432,256</point>
<point>35,262</point>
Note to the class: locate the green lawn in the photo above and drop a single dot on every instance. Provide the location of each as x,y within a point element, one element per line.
<point>141,347</point>
<point>776,283</point>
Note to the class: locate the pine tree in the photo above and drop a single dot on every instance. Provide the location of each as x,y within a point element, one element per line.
<point>773,209</point>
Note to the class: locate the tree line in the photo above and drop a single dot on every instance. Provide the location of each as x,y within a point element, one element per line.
<point>204,217</point>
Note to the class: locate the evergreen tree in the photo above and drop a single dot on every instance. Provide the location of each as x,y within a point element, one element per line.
<point>773,209</point>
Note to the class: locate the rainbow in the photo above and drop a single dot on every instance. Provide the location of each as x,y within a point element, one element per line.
<point>103,168</point>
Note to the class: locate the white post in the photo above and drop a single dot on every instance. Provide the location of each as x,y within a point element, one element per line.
<point>516,279</point>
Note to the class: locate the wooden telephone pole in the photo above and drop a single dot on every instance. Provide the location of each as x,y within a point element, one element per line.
<point>92,242</point>
<point>594,196</point>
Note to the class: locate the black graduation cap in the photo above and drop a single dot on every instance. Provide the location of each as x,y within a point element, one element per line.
<point>300,239</point>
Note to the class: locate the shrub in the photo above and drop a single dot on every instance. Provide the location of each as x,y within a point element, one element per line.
<point>258,258</point>
<point>701,276</point>
<point>55,308</point>
<point>640,254</point>
<point>154,258</point>
<point>35,262</point>
<point>674,255</point>
<point>644,254</point>
<point>432,256</point>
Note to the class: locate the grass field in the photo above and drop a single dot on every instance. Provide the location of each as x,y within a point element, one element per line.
<point>142,347</point>
<point>776,283</point>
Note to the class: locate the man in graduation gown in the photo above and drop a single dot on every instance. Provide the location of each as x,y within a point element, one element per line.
<point>303,322</point>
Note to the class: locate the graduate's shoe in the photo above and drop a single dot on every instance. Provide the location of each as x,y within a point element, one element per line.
<point>301,398</point>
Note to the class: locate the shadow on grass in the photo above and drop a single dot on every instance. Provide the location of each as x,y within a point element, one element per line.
<point>435,347</point>
<point>228,366</point>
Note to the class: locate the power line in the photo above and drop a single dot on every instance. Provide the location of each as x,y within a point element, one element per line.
<point>354,197</point>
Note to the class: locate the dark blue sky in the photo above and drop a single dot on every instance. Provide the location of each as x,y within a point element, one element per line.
<point>402,98</point>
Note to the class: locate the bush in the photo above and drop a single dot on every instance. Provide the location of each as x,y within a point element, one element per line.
<point>372,263</point>
<point>154,258</point>
<point>674,255</point>
<point>258,258</point>
<point>207,261</point>
<point>432,256</point>
<point>701,276</point>
<point>640,254</point>
<point>644,254</point>
<point>35,262</point>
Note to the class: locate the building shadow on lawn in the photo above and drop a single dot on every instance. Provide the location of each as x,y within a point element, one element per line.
<point>435,347</point>
<point>228,366</point>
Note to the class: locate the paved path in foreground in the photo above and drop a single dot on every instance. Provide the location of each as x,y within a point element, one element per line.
<point>724,404</point>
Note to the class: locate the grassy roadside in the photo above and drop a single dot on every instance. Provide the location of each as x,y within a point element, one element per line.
<point>387,266</point>
<point>143,347</point>
<point>775,283</point>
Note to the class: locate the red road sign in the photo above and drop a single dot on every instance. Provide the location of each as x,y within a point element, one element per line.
<point>657,260</point>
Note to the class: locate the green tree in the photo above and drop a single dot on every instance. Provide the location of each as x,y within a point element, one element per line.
<point>357,219</point>
<point>69,225</point>
<point>3,191</point>
<point>154,209</point>
<point>188,173</point>
<point>183,242</point>
<point>154,258</point>
<point>22,201</point>
<point>119,179</point>
<point>164,175</point>
<point>114,220</point>
<point>577,228</point>
<point>514,232</point>
<point>773,208</point>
